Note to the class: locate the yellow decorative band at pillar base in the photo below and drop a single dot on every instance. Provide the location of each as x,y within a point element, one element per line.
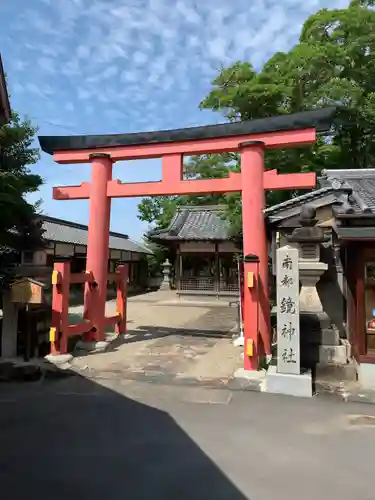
<point>250,279</point>
<point>55,277</point>
<point>250,348</point>
<point>52,334</point>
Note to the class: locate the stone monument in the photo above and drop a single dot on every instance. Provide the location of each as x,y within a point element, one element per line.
<point>286,377</point>
<point>288,348</point>
<point>166,270</point>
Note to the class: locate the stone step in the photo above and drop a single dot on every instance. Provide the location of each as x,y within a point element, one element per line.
<point>320,337</point>
<point>338,354</point>
<point>336,372</point>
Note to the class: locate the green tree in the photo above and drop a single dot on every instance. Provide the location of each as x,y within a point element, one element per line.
<point>158,256</point>
<point>332,64</point>
<point>19,228</point>
<point>159,211</point>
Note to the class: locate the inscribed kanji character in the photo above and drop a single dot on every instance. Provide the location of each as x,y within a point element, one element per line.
<point>289,356</point>
<point>288,331</point>
<point>287,281</point>
<point>287,306</point>
<point>287,263</point>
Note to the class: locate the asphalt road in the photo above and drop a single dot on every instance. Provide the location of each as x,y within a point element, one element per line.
<point>73,438</point>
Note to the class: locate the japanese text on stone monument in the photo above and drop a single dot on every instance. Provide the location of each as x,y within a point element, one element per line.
<point>287,289</point>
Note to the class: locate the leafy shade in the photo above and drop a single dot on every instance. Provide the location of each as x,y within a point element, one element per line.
<point>19,227</point>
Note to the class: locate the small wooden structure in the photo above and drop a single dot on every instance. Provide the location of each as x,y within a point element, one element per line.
<point>28,294</point>
<point>27,291</point>
<point>205,257</point>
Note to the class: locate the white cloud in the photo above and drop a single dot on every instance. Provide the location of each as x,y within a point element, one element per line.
<point>161,45</point>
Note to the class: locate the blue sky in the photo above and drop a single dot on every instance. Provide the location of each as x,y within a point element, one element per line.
<point>112,66</point>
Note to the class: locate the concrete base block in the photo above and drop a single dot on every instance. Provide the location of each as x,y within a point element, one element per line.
<point>366,375</point>
<point>61,361</point>
<point>288,384</point>
<point>239,341</point>
<point>256,375</point>
<point>92,346</point>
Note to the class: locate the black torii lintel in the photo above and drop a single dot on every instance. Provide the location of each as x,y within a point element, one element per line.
<point>320,119</point>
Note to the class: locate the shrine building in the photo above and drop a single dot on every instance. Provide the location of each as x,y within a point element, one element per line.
<point>204,253</point>
<point>345,209</point>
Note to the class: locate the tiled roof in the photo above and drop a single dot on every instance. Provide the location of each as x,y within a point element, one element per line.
<point>195,223</point>
<point>304,198</point>
<point>62,231</point>
<point>352,190</point>
<point>355,188</point>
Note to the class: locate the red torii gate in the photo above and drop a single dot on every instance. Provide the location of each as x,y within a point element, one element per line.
<point>250,138</point>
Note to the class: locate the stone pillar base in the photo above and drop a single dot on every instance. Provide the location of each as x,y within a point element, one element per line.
<point>93,346</point>
<point>288,384</point>
<point>61,361</point>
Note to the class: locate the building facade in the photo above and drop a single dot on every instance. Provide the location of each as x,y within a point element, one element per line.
<point>65,239</point>
<point>204,255</point>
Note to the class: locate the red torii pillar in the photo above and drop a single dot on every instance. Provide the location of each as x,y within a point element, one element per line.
<point>98,242</point>
<point>256,297</point>
<point>252,181</point>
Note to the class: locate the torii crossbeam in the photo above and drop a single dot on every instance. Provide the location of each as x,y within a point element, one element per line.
<point>249,138</point>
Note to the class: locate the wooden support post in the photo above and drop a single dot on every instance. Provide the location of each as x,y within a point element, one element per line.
<point>217,271</point>
<point>98,238</point>
<point>121,300</point>
<point>60,308</point>
<point>256,300</point>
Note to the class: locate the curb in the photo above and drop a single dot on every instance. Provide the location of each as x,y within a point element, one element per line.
<point>322,391</point>
<point>29,372</point>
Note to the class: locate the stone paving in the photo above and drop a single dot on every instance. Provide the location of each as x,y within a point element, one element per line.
<point>168,342</point>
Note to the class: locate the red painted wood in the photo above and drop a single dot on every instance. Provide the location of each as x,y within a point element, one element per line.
<point>360,331</point>
<point>81,278</point>
<point>255,242</point>
<point>97,247</point>
<point>110,320</point>
<point>79,328</point>
<point>169,187</point>
<point>252,181</point>
<point>121,299</point>
<point>60,308</point>
<point>277,139</point>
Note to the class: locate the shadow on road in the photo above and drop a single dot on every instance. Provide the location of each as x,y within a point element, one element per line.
<point>147,331</point>
<point>144,333</point>
<point>73,437</point>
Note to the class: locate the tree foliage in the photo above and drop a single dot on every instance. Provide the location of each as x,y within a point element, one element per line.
<point>19,228</point>
<point>332,64</point>
<point>159,211</point>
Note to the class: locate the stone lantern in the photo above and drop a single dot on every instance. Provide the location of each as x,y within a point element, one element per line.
<point>315,325</point>
<point>166,270</point>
